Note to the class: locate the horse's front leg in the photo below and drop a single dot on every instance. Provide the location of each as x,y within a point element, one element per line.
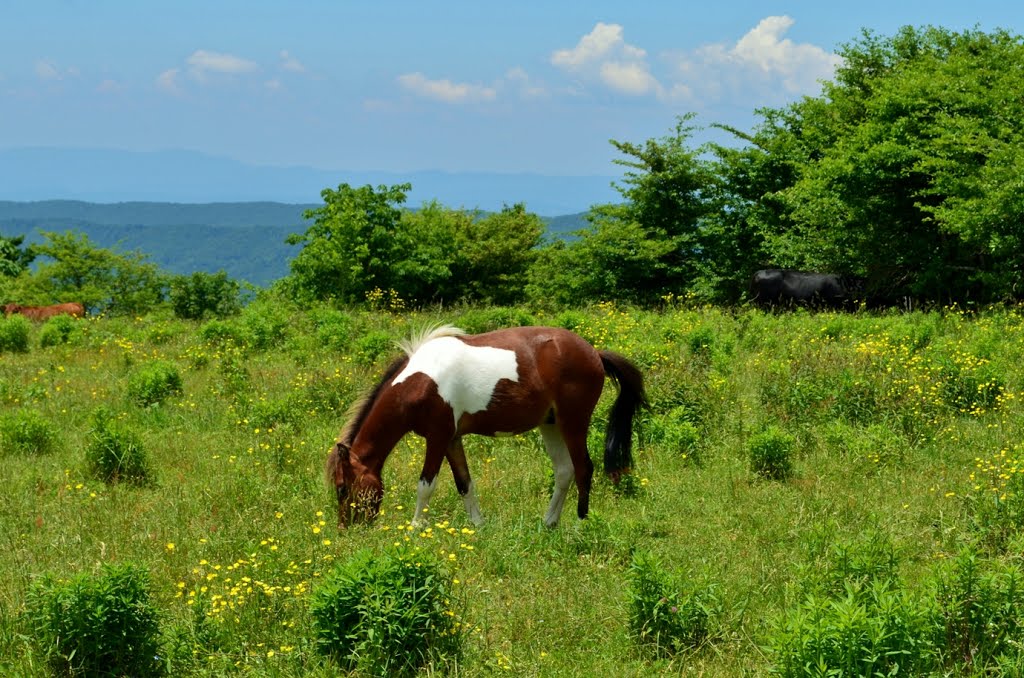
<point>463,481</point>
<point>428,479</point>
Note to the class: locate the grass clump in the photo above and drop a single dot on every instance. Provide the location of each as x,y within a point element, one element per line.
<point>14,332</point>
<point>60,329</point>
<point>388,614</point>
<point>115,452</point>
<point>666,616</point>
<point>27,432</point>
<point>153,383</point>
<point>96,625</point>
<point>771,453</point>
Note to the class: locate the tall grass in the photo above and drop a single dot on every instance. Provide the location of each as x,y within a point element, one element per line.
<point>902,439</point>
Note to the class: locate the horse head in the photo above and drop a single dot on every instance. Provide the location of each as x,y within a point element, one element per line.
<point>359,494</point>
<point>12,308</point>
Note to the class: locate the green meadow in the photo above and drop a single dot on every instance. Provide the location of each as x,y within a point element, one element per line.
<point>812,492</point>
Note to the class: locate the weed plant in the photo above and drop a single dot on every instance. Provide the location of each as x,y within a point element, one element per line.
<point>387,615</point>
<point>14,334</point>
<point>27,432</point>
<point>97,625</point>
<point>154,382</point>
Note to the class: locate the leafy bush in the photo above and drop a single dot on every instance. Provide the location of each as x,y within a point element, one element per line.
<point>97,625</point>
<point>203,295</point>
<point>771,453</point>
<point>665,616</point>
<point>264,324</point>
<point>676,431</point>
<point>14,331</point>
<point>972,386</point>
<point>478,320</point>
<point>153,383</point>
<point>220,332</point>
<point>115,453</point>
<point>58,330</point>
<point>981,608</point>
<point>334,329</point>
<point>387,615</point>
<point>871,630</point>
<point>370,347</point>
<point>26,432</point>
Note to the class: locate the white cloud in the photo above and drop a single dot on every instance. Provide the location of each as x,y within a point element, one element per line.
<point>763,59</point>
<point>605,57</point>
<point>203,62</point>
<point>109,86</point>
<point>48,70</point>
<point>290,63</point>
<point>524,85</point>
<point>168,81</point>
<point>445,90</point>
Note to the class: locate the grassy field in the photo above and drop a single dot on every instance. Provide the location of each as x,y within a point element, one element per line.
<point>900,490</point>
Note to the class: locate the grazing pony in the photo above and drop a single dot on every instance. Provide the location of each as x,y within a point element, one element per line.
<point>40,313</point>
<point>508,381</point>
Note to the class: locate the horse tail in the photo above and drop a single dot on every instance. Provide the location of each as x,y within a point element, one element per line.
<point>618,440</point>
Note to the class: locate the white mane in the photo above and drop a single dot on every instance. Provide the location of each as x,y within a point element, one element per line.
<point>410,345</point>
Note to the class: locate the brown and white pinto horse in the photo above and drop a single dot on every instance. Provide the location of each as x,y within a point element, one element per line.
<point>508,381</point>
<point>40,313</point>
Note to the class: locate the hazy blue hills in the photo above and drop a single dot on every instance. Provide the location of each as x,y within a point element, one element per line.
<point>246,239</point>
<point>113,176</point>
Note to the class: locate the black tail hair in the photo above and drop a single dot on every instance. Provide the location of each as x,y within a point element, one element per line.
<point>618,441</point>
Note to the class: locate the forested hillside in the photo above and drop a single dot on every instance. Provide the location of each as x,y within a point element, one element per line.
<point>246,240</point>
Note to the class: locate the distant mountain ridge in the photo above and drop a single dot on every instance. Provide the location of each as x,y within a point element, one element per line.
<point>114,176</point>
<point>246,240</point>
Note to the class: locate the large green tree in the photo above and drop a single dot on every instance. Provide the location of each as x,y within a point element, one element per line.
<point>361,240</point>
<point>905,170</point>
<point>650,244</point>
<point>72,268</point>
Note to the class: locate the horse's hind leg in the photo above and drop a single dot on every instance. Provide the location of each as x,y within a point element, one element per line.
<point>575,437</point>
<point>563,469</point>
<point>463,481</point>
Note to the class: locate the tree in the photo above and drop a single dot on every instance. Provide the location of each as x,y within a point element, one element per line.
<point>349,249</point>
<point>72,268</point>
<point>906,170</point>
<point>14,258</point>
<point>202,295</point>
<point>650,245</point>
<point>494,254</point>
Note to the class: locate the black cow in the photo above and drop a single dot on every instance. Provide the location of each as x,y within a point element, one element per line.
<point>780,287</point>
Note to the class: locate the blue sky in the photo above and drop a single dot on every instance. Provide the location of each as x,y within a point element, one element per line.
<point>458,86</point>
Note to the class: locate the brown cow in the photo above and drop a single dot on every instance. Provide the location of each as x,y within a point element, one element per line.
<point>41,313</point>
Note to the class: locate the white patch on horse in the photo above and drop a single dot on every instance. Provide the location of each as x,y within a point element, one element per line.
<point>466,376</point>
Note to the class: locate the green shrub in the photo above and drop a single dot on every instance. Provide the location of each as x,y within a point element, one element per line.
<point>26,432</point>
<point>970,387</point>
<point>61,329</point>
<point>387,614</point>
<point>664,615</point>
<point>221,332</point>
<point>96,625</point>
<point>153,383</point>
<point>204,295</point>
<point>871,630</point>
<point>14,331</point>
<point>771,453</point>
<point>370,347</point>
<point>265,325</point>
<point>334,329</point>
<point>982,610</point>
<point>115,452</point>
<point>676,431</point>
<point>478,320</point>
